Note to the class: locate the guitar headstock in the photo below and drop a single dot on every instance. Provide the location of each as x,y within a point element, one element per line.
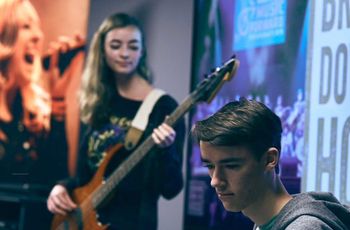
<point>208,88</point>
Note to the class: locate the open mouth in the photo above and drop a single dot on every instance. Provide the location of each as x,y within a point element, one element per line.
<point>29,58</point>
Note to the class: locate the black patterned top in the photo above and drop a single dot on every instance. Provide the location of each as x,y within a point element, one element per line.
<point>134,203</point>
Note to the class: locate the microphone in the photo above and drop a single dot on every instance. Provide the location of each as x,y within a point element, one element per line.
<point>64,58</point>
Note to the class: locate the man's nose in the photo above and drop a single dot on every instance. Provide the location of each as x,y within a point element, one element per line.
<point>218,178</point>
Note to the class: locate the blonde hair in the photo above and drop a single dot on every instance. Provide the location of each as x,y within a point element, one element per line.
<point>8,30</point>
<point>8,21</point>
<point>98,85</point>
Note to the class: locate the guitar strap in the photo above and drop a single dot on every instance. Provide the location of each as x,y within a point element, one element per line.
<point>139,123</point>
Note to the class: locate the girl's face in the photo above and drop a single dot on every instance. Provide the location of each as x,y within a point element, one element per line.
<point>26,60</point>
<point>123,49</point>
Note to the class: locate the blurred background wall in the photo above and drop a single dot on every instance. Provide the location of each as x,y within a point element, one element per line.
<point>168,28</point>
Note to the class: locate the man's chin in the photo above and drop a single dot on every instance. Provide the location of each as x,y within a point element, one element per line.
<point>231,208</point>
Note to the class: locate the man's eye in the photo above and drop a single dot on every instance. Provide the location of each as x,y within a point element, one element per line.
<point>209,166</point>
<point>232,166</point>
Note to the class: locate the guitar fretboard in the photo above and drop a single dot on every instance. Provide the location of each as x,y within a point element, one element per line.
<point>205,90</point>
<point>106,188</point>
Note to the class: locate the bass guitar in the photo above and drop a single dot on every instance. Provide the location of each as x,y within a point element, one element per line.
<point>92,195</point>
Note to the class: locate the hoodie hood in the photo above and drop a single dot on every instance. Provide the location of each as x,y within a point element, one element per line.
<point>321,205</point>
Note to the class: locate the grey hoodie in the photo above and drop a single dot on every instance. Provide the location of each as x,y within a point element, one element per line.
<point>313,210</point>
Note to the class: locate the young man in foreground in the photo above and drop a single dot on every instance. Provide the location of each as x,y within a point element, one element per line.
<point>240,145</point>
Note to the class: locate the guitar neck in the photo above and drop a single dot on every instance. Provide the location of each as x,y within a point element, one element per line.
<point>107,187</point>
<point>205,91</point>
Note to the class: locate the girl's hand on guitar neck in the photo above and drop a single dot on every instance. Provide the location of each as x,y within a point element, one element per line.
<point>59,201</point>
<point>164,135</point>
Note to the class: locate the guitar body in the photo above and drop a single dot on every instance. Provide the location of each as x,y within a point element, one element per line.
<point>93,194</point>
<point>85,216</point>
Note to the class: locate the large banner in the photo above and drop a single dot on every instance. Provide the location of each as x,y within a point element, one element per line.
<point>327,160</point>
<point>269,38</point>
<point>41,57</point>
<point>42,52</point>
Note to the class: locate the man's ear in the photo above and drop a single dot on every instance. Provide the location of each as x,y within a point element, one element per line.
<point>271,158</point>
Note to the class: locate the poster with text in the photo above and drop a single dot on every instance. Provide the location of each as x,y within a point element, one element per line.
<point>327,122</point>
